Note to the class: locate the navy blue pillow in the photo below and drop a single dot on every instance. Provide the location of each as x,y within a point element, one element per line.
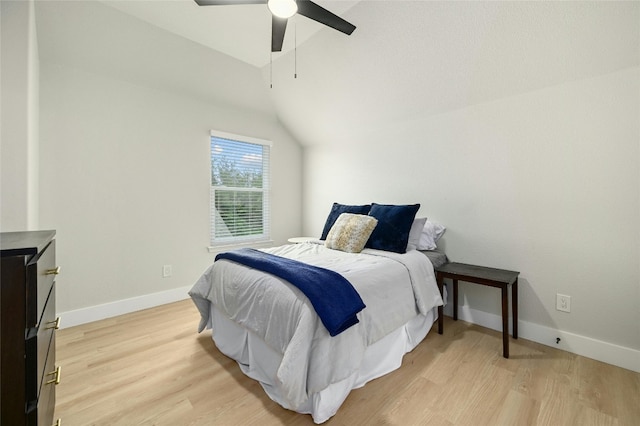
<point>337,210</point>
<point>394,224</point>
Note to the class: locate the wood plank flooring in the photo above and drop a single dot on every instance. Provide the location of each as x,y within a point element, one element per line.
<point>152,368</point>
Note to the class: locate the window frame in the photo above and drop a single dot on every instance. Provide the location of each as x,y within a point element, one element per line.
<point>216,243</point>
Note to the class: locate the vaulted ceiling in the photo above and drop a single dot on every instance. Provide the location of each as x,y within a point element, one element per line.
<point>406,59</point>
<point>241,31</point>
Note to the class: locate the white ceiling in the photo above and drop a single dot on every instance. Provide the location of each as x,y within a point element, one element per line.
<point>406,59</point>
<point>242,31</point>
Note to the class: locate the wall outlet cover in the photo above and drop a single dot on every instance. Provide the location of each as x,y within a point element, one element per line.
<point>166,271</point>
<point>563,302</point>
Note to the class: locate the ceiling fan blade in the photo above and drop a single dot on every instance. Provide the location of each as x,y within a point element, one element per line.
<point>320,14</point>
<point>227,2</point>
<point>278,26</point>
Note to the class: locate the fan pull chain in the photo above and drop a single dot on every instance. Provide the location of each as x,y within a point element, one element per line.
<point>295,48</point>
<point>271,70</point>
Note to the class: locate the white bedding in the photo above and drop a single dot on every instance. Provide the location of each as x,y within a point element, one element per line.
<point>398,290</point>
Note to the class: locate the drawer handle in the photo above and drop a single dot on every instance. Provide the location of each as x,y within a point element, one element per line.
<point>56,380</point>
<point>58,423</point>
<point>53,325</point>
<point>54,271</point>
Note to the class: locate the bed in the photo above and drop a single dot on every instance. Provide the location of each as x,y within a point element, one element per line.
<point>274,333</point>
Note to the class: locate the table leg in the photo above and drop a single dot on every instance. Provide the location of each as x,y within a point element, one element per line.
<point>505,321</point>
<point>455,299</point>
<point>439,280</point>
<point>514,307</point>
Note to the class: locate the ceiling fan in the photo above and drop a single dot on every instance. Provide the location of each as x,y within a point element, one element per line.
<point>282,10</point>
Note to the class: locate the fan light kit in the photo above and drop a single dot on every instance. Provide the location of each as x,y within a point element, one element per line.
<point>283,8</point>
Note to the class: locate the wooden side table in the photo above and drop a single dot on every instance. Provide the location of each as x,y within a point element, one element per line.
<point>492,277</point>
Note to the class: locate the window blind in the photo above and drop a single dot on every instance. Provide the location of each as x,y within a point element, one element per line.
<point>239,199</point>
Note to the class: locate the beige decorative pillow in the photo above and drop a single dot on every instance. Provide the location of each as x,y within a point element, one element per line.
<point>350,232</point>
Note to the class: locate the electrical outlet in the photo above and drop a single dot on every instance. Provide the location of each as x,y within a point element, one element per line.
<point>166,271</point>
<point>563,302</point>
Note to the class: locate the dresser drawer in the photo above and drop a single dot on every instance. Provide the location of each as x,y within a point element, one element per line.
<point>47,398</point>
<point>44,391</point>
<point>41,273</point>
<point>39,348</point>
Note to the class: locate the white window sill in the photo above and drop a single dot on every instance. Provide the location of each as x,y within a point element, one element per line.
<point>221,248</point>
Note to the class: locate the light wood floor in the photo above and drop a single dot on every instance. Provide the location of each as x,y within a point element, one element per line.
<point>152,368</point>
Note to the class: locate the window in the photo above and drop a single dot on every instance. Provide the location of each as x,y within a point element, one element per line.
<point>239,205</point>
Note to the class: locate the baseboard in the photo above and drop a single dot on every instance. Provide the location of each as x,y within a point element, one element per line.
<point>120,307</point>
<point>580,345</point>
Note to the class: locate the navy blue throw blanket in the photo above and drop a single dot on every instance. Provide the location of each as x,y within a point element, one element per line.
<point>333,297</point>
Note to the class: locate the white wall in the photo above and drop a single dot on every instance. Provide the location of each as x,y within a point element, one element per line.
<point>126,183</point>
<point>19,99</point>
<point>516,125</point>
<point>545,183</point>
<point>124,142</point>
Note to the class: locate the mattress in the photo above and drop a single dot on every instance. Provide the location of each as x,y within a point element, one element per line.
<point>436,257</point>
<point>260,362</point>
<point>269,327</point>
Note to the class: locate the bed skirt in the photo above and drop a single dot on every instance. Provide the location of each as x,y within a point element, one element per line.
<point>259,362</point>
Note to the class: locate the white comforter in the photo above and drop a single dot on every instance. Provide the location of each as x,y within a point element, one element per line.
<point>394,287</point>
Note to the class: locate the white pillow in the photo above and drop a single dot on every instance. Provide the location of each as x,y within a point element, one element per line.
<point>414,234</point>
<point>350,232</point>
<point>431,233</point>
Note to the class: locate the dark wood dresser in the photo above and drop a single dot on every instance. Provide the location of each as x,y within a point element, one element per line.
<point>28,373</point>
